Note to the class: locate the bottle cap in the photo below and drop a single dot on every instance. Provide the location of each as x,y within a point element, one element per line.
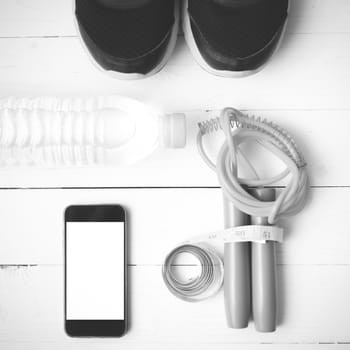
<point>173,130</point>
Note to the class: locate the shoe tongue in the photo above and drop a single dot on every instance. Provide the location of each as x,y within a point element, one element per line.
<point>238,3</point>
<point>123,4</point>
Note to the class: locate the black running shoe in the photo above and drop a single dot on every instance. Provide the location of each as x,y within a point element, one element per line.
<point>129,38</point>
<point>234,37</point>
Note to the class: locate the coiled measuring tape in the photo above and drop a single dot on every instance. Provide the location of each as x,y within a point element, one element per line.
<point>210,279</point>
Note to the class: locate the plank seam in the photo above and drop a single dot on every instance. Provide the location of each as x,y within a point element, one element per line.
<point>9,266</point>
<point>147,187</point>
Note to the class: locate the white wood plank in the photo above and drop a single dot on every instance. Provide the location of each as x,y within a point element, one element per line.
<point>54,18</point>
<point>32,224</point>
<point>167,346</point>
<point>36,18</point>
<point>312,309</point>
<point>296,78</point>
<point>161,346</point>
<point>321,135</point>
<point>319,16</point>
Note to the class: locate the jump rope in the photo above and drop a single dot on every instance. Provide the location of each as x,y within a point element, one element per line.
<point>251,211</point>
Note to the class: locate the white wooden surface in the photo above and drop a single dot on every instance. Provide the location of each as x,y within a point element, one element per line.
<point>172,195</point>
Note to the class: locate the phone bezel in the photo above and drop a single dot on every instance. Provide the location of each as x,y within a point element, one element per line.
<point>95,328</point>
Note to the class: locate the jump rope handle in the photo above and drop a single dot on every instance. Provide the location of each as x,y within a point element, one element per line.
<point>263,260</point>
<point>237,271</point>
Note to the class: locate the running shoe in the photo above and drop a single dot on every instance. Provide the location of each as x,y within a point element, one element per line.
<point>128,38</point>
<point>234,37</point>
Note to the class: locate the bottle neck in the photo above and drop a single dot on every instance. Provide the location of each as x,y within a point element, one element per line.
<point>173,130</point>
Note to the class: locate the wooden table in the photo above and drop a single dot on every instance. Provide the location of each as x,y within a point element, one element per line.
<point>172,195</point>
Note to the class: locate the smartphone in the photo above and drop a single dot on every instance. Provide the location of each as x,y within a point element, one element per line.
<point>95,271</point>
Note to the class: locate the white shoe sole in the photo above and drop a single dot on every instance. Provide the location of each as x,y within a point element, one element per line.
<point>186,26</point>
<point>134,76</point>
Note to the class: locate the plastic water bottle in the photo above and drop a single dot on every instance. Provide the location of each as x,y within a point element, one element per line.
<point>109,130</point>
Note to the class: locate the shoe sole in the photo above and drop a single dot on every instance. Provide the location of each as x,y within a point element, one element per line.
<point>186,27</point>
<point>135,76</point>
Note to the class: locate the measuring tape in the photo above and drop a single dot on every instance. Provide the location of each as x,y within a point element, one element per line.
<point>209,281</point>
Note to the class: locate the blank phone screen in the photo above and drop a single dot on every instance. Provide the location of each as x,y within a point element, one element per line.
<point>95,270</point>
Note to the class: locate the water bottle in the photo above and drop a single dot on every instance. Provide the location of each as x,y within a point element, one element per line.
<point>110,130</point>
